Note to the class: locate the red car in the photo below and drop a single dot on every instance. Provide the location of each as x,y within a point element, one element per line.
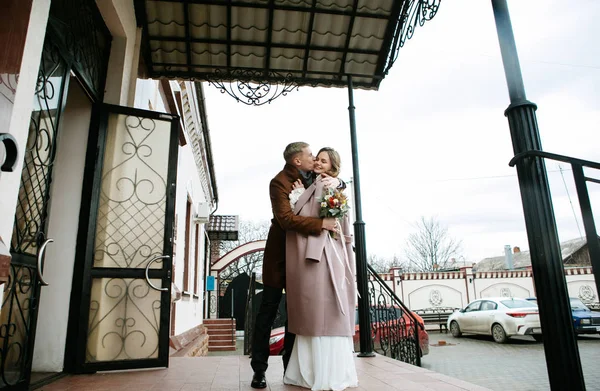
<point>277,335</point>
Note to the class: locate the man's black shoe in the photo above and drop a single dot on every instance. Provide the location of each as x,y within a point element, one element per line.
<point>259,380</point>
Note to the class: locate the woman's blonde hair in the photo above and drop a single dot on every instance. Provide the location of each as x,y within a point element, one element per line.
<point>334,159</point>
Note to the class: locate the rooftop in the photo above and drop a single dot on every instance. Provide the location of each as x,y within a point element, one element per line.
<point>223,227</point>
<point>291,42</point>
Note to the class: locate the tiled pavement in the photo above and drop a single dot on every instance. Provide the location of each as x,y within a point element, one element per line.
<point>233,373</point>
<point>519,364</point>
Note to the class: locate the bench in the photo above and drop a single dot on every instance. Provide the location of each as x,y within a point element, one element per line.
<point>438,316</point>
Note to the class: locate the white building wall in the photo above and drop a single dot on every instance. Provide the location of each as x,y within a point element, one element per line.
<point>582,286</point>
<point>499,286</point>
<point>421,294</point>
<point>21,113</point>
<point>63,224</point>
<point>429,290</point>
<point>189,310</point>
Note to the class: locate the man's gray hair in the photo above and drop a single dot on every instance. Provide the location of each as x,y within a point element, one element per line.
<point>293,149</point>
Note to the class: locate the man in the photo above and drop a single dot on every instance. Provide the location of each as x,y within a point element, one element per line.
<point>299,163</point>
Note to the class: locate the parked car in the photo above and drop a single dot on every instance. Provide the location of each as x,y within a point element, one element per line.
<point>277,335</point>
<point>585,320</point>
<point>501,317</point>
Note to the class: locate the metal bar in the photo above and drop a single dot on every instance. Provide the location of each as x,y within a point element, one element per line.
<point>311,24</point>
<point>560,346</point>
<point>142,19</point>
<point>283,72</point>
<point>588,221</point>
<point>554,156</point>
<point>229,34</point>
<point>592,180</point>
<point>280,7</point>
<point>508,49</point>
<point>188,44</point>
<point>362,274</point>
<point>281,45</point>
<point>389,35</point>
<point>348,38</point>
<point>269,37</point>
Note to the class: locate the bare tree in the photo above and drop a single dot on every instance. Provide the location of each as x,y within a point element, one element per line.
<point>248,231</point>
<point>383,265</point>
<point>431,247</point>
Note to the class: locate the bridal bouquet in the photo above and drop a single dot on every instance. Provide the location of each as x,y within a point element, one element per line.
<point>334,203</point>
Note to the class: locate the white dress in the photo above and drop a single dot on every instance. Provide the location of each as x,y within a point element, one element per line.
<point>322,363</point>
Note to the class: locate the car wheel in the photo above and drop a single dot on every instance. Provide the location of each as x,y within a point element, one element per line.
<point>455,329</point>
<point>538,337</point>
<point>499,334</point>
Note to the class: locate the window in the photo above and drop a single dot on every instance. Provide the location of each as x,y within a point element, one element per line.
<point>196,259</point>
<point>488,306</point>
<point>518,303</point>
<point>473,306</point>
<point>186,253</point>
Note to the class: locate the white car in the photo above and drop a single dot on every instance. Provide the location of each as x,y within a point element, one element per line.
<point>500,317</point>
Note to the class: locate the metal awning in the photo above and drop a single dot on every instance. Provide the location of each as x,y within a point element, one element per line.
<point>288,42</point>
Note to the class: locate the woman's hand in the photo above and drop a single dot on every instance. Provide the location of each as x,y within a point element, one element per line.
<point>297,185</point>
<point>329,181</point>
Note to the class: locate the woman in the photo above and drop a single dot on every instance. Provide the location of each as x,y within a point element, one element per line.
<point>321,294</point>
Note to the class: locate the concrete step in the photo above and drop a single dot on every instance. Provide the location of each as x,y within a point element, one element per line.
<point>213,327</point>
<point>221,349</point>
<point>220,344</point>
<point>218,321</point>
<point>222,337</point>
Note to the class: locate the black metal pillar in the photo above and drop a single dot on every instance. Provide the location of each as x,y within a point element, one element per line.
<point>362,274</point>
<point>588,221</point>
<point>560,346</point>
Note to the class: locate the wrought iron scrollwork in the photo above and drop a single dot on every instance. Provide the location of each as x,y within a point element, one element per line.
<point>22,289</point>
<point>413,13</point>
<point>124,324</point>
<point>17,304</point>
<point>394,328</point>
<point>131,214</point>
<point>85,39</point>
<point>251,87</point>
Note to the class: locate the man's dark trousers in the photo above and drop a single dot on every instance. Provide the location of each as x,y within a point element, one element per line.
<point>262,330</point>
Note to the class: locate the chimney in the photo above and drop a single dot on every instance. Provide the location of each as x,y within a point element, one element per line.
<point>516,250</point>
<point>508,257</point>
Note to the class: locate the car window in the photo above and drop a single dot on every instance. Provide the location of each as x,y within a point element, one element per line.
<point>518,303</point>
<point>488,306</point>
<point>578,305</point>
<point>473,306</point>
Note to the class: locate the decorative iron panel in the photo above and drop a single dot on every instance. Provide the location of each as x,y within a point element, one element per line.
<point>124,320</point>
<point>131,212</point>
<point>126,315</point>
<point>31,214</point>
<point>19,304</point>
<point>84,40</point>
<point>394,329</point>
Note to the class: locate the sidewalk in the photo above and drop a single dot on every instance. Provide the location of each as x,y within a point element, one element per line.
<point>233,373</point>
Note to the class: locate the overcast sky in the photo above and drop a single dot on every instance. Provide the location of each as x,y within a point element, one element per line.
<point>433,141</point>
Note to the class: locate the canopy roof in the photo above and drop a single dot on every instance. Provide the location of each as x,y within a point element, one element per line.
<point>289,42</point>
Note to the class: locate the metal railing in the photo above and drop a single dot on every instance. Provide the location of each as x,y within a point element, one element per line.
<point>581,180</point>
<point>394,328</point>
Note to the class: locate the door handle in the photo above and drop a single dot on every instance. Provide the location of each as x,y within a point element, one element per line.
<point>156,258</point>
<point>39,262</point>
